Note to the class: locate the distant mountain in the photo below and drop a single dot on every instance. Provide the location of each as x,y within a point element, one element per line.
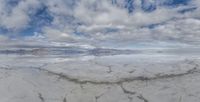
<point>64,51</point>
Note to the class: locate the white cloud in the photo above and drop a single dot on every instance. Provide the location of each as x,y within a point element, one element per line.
<point>100,20</point>
<point>17,17</point>
<point>57,35</point>
<point>180,30</point>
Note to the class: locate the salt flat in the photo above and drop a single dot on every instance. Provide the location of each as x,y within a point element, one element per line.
<point>99,50</point>
<point>151,77</point>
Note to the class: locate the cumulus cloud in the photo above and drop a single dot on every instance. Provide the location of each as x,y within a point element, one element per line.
<point>17,17</point>
<point>57,35</point>
<point>100,21</point>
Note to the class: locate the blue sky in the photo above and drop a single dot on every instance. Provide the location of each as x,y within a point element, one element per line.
<point>101,21</point>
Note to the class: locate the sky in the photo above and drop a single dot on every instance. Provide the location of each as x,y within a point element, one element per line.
<point>101,22</point>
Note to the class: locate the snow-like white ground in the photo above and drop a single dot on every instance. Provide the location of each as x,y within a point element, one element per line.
<point>119,78</point>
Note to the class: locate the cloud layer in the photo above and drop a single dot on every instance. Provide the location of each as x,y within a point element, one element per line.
<point>102,21</point>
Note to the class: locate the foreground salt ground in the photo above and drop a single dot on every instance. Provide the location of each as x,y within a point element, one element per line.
<point>119,78</point>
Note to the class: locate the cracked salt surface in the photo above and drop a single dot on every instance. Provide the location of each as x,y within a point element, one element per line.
<point>115,78</point>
